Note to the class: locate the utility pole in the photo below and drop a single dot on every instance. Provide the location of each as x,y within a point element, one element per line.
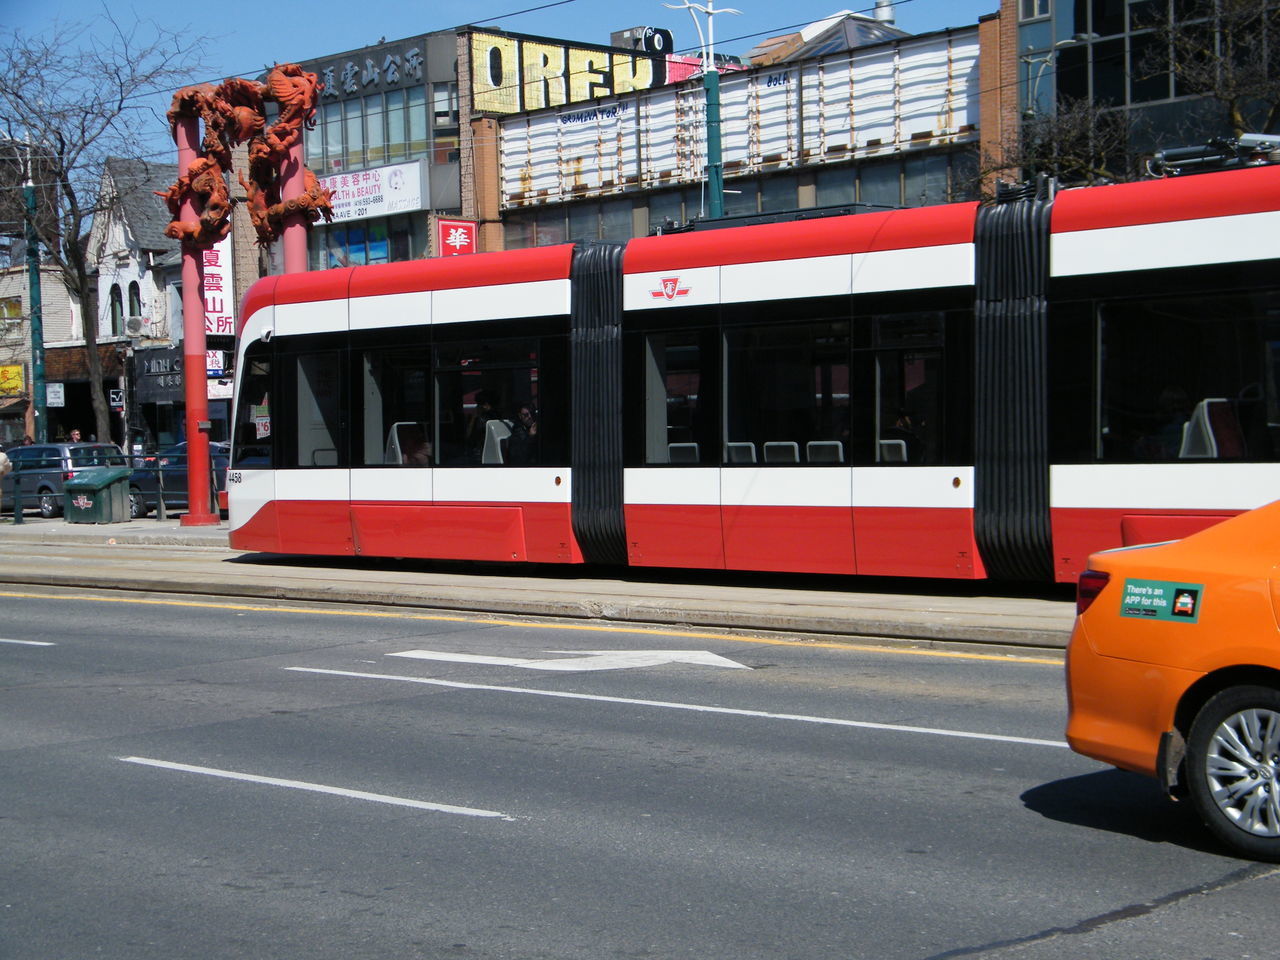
<point>35,307</point>
<point>711,89</point>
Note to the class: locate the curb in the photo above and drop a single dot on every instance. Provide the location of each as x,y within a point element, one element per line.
<point>664,613</point>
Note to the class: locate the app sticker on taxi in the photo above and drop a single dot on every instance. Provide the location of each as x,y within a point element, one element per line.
<point>1161,600</point>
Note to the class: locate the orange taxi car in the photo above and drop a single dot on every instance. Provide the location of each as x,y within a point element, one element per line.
<point>1173,671</point>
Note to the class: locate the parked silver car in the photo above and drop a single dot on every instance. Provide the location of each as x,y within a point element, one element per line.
<point>42,469</point>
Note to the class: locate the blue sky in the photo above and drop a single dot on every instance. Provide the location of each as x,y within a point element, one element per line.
<point>251,40</point>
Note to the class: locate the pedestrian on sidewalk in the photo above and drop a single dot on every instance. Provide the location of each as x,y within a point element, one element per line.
<point>5,466</point>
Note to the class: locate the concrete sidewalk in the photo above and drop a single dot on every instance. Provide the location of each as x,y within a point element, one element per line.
<point>166,557</point>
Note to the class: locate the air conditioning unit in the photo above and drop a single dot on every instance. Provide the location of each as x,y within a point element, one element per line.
<point>134,326</point>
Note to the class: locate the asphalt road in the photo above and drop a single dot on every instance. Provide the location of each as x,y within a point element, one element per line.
<point>192,777</point>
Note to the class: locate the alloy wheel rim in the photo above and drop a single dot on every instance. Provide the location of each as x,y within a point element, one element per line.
<point>1243,768</point>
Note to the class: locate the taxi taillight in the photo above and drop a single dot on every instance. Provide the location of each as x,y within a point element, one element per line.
<point>1089,586</point>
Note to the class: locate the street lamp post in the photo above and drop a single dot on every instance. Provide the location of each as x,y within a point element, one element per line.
<point>1043,63</point>
<point>711,87</point>
<point>38,399</point>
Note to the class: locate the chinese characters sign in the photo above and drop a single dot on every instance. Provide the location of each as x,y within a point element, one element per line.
<point>219,290</point>
<point>385,67</point>
<point>379,192</point>
<point>455,236</point>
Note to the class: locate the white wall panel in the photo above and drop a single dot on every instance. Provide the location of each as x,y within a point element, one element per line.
<point>538,298</point>
<point>785,487</point>
<point>391,485</point>
<point>391,310</point>
<point>697,486</point>
<point>1156,246</point>
<point>646,291</point>
<point>502,485</point>
<point>912,487</point>
<point>1164,486</point>
<point>784,279</point>
<point>319,316</point>
<point>883,100</point>
<point>313,485</point>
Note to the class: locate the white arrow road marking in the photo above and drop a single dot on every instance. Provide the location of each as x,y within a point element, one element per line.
<point>585,659</point>
<point>695,707</point>
<point>30,643</point>
<point>315,788</point>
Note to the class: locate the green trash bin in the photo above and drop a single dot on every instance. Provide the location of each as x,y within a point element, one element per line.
<point>98,495</point>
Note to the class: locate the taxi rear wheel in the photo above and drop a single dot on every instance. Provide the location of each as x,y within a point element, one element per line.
<point>1233,769</point>
<point>137,504</point>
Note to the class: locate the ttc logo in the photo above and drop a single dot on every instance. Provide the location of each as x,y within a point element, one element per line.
<point>670,289</point>
<point>81,502</point>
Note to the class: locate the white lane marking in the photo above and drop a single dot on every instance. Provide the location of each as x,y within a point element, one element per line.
<point>585,659</point>
<point>694,707</point>
<point>30,643</point>
<point>316,788</point>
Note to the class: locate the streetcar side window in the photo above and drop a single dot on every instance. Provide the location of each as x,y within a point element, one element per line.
<point>502,402</point>
<point>318,439</point>
<point>679,424</point>
<point>252,447</point>
<point>395,418</point>
<point>909,381</point>
<point>787,388</point>
<point>1185,379</point>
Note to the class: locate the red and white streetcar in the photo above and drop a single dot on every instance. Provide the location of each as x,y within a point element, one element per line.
<point>953,391</point>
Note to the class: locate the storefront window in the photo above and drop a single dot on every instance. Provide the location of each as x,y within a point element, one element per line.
<point>881,185</point>
<point>376,237</point>
<point>417,122</point>
<point>377,240</point>
<point>837,186</point>
<point>374,118</point>
<point>333,154</point>
<point>395,126</point>
<point>517,232</point>
<point>444,107</point>
<point>664,207</point>
<point>615,221</point>
<point>777,194</point>
<point>926,180</point>
<point>584,221</point>
<point>355,133</point>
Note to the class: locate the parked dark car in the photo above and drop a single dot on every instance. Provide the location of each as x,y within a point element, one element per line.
<point>169,466</point>
<point>44,468</point>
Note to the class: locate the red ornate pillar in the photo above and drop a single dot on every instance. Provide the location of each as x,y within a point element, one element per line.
<point>294,234</point>
<point>195,382</point>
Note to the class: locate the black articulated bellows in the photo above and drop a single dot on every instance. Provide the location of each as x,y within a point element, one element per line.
<point>596,401</point>
<point>1011,454</point>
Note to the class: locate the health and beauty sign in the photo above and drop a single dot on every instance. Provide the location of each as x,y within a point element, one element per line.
<point>379,192</point>
<point>1161,600</point>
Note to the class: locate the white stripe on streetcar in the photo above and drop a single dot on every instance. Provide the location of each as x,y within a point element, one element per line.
<point>316,788</point>
<point>30,643</point>
<point>694,707</point>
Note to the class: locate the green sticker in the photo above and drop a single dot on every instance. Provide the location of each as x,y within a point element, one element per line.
<point>1162,600</point>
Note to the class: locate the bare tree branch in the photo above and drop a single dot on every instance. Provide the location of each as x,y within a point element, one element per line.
<point>1229,52</point>
<point>71,97</point>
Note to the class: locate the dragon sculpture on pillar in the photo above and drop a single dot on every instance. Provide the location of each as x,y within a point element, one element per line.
<point>233,113</point>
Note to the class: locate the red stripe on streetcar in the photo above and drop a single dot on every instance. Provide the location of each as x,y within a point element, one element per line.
<point>1232,193</point>
<point>864,233</point>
